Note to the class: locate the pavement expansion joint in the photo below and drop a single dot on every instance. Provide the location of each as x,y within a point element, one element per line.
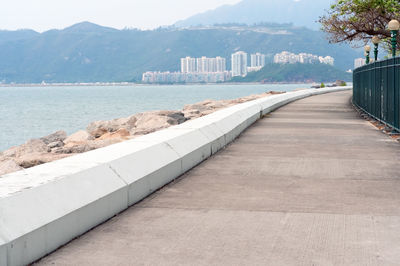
<point>232,210</point>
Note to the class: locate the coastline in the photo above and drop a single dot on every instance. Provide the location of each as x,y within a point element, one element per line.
<point>100,134</point>
<point>138,84</point>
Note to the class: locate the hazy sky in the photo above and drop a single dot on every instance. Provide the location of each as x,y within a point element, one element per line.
<point>42,15</point>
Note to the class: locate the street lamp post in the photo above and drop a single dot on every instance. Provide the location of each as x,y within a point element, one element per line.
<point>367,50</point>
<point>376,41</point>
<point>394,27</point>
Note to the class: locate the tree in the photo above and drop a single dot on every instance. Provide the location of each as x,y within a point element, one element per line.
<point>359,20</point>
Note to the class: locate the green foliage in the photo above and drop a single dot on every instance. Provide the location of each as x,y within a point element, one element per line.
<point>359,20</point>
<point>306,73</point>
<point>322,85</point>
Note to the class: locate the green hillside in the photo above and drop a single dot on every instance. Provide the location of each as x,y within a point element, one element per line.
<point>90,53</point>
<point>306,73</point>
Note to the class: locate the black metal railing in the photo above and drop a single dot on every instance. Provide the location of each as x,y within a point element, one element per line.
<point>376,90</point>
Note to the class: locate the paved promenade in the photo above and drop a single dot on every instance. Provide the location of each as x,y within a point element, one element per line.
<point>311,184</point>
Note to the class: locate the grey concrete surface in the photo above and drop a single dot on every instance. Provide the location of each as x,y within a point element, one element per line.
<point>310,184</point>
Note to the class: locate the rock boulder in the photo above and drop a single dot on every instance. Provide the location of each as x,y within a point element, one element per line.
<point>8,166</point>
<point>78,137</point>
<point>192,111</point>
<point>33,159</point>
<point>99,128</point>
<point>149,122</point>
<point>55,137</point>
<point>86,146</point>
<point>32,146</point>
<point>121,133</point>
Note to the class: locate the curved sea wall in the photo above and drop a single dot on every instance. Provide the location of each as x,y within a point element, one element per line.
<point>44,207</point>
<point>100,134</point>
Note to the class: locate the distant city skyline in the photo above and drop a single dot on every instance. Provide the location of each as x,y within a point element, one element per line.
<point>42,15</point>
<point>205,69</point>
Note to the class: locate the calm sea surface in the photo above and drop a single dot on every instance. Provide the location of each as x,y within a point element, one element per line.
<point>32,112</point>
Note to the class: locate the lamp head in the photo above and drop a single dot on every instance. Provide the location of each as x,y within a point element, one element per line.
<point>394,25</point>
<point>376,40</point>
<point>367,48</point>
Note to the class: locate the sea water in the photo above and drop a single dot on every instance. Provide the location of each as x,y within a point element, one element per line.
<point>33,112</point>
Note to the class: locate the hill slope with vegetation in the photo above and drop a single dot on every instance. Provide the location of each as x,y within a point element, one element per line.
<point>87,52</point>
<point>306,73</point>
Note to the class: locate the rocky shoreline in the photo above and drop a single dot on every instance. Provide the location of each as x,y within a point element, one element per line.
<point>103,133</point>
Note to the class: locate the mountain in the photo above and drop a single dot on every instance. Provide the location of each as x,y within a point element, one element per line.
<point>7,36</point>
<point>299,12</point>
<point>87,52</point>
<point>88,27</point>
<point>305,73</point>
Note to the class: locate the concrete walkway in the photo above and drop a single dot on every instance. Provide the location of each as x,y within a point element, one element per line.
<point>311,184</point>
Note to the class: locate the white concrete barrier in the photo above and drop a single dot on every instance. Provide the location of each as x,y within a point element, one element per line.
<point>44,207</point>
<point>36,221</point>
<point>3,251</point>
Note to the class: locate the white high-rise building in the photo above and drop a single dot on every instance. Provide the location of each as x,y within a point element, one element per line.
<point>188,65</point>
<point>239,64</point>
<point>286,57</point>
<point>302,58</point>
<point>327,60</point>
<point>221,64</point>
<point>212,64</point>
<point>305,58</point>
<point>257,60</point>
<point>202,64</point>
<point>359,62</point>
<point>184,65</point>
